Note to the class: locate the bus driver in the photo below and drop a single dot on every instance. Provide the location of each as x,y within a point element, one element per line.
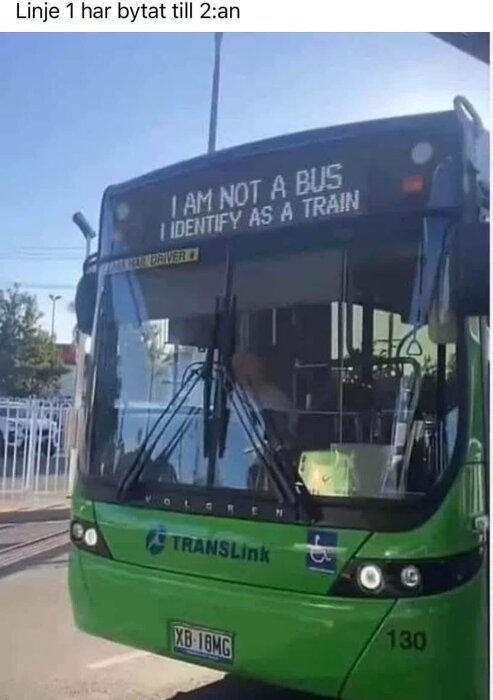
<point>273,404</point>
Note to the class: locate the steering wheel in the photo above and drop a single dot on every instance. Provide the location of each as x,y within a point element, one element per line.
<point>414,348</point>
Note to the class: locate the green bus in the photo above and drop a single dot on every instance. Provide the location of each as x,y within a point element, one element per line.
<point>283,468</point>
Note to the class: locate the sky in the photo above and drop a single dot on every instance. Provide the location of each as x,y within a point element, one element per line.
<point>83,111</point>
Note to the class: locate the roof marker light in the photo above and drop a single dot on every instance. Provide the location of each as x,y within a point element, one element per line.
<point>122,211</point>
<point>422,152</point>
<point>413,184</point>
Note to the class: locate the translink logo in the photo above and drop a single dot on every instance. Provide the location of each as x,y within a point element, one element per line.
<point>156,540</point>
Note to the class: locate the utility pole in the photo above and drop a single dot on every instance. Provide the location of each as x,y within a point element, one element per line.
<point>218,38</point>
<point>54,298</point>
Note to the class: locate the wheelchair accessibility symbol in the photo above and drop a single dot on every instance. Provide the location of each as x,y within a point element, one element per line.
<point>322,548</point>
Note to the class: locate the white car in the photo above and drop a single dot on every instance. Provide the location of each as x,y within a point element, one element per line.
<point>16,426</point>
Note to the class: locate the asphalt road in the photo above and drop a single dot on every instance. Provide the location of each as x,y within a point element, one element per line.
<point>43,656</point>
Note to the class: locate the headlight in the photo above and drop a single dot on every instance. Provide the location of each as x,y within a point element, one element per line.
<point>410,577</point>
<point>370,577</point>
<point>77,531</point>
<point>91,537</point>
<point>87,536</point>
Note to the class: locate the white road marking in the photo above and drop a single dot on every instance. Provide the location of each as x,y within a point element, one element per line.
<point>118,659</point>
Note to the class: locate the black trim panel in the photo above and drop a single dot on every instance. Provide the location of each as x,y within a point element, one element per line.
<point>437,576</point>
<point>367,514</point>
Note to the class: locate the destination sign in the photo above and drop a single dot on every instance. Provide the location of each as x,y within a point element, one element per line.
<point>298,186</point>
<point>285,198</point>
<point>307,185</point>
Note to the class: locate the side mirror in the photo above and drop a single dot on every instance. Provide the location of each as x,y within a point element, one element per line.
<point>85,297</point>
<point>473,269</point>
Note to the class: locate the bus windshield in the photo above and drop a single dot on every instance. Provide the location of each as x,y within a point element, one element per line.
<point>325,354</point>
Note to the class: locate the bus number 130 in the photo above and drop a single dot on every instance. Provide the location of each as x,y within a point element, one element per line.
<point>407,640</point>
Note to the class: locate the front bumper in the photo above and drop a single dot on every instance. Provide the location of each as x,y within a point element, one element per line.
<point>340,648</point>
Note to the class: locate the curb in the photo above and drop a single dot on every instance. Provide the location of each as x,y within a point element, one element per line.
<point>34,516</point>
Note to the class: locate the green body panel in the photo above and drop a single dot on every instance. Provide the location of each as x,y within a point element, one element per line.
<point>299,640</point>
<point>454,662</point>
<point>284,546</point>
<point>81,507</point>
<point>339,648</point>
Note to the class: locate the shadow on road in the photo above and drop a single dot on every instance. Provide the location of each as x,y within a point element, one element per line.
<point>238,689</point>
<point>50,562</point>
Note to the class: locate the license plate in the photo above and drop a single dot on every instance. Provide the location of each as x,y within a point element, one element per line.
<point>202,643</point>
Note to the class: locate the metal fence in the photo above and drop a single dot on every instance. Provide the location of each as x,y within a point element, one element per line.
<point>34,446</point>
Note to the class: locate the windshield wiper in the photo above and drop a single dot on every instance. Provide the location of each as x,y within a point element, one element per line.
<point>217,420</point>
<point>222,344</point>
<point>179,433</point>
<point>131,475</point>
<point>276,460</point>
<point>208,377</point>
<point>228,353</point>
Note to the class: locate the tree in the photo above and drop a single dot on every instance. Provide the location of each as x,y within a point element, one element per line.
<point>29,362</point>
